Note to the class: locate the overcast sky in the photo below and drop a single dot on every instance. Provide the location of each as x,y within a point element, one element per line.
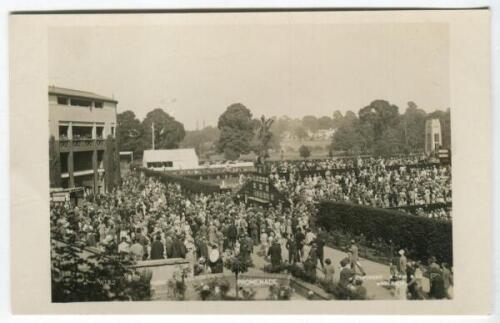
<point>194,72</point>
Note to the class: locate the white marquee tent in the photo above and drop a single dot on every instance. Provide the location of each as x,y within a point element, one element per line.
<point>170,159</point>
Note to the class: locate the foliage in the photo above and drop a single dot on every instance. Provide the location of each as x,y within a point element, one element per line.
<point>295,269</point>
<point>238,264</point>
<point>201,140</point>
<point>304,151</point>
<point>325,122</point>
<point>186,183</point>
<point>311,123</point>
<point>264,136</point>
<point>300,132</point>
<point>54,163</point>
<point>236,131</point>
<point>177,284</point>
<point>81,275</point>
<point>280,292</point>
<point>111,164</point>
<point>214,289</point>
<point>421,237</point>
<point>168,131</point>
<point>382,130</point>
<point>129,133</point>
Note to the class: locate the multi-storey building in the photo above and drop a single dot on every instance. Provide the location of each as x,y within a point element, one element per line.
<point>80,123</point>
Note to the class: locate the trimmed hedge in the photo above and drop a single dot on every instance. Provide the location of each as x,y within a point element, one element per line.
<point>188,184</point>
<point>420,237</point>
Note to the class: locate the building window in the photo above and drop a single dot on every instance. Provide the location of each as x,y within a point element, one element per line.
<point>62,100</point>
<point>113,132</point>
<point>160,164</point>
<point>63,132</point>
<point>436,137</point>
<point>98,104</point>
<point>99,132</point>
<point>81,103</point>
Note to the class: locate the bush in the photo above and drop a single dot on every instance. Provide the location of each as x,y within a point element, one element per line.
<point>188,184</point>
<point>304,151</point>
<point>421,237</point>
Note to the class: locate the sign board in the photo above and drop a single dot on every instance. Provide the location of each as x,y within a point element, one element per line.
<point>444,156</point>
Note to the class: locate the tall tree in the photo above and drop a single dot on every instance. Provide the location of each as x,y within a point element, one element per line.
<point>413,128</point>
<point>379,116</point>
<point>338,119</point>
<point>110,165</point>
<point>168,131</point>
<point>236,131</point>
<point>129,133</point>
<point>264,136</point>
<point>325,122</point>
<point>54,163</point>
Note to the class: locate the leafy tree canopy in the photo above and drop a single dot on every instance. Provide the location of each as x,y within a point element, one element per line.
<point>168,131</point>
<point>236,131</point>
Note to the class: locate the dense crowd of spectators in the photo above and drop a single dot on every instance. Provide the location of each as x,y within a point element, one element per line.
<point>347,163</point>
<point>374,184</point>
<point>152,220</point>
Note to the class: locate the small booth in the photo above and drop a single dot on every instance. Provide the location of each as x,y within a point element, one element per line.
<point>170,159</point>
<point>74,196</point>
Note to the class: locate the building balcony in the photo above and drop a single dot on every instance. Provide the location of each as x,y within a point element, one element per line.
<point>81,144</point>
<point>82,173</point>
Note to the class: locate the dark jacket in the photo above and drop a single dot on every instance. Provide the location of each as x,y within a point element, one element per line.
<point>178,249</point>
<point>275,253</point>
<point>157,250</point>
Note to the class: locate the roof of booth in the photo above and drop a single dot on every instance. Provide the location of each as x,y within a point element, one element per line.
<point>169,154</point>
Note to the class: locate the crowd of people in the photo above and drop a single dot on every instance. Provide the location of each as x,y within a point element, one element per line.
<point>152,220</point>
<point>376,186</point>
<point>348,163</point>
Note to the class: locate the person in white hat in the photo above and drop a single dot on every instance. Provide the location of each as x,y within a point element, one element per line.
<point>214,260</point>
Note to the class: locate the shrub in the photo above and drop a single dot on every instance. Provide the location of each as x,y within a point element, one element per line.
<point>421,237</point>
<point>304,151</point>
<point>187,184</point>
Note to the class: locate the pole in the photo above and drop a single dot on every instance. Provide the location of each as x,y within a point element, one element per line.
<point>153,134</point>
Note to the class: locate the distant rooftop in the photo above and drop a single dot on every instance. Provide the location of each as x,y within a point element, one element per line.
<point>79,94</point>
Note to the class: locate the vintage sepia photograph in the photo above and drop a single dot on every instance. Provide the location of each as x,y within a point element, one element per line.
<point>198,162</point>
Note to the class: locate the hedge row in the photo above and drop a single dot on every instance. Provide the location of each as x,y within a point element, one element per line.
<point>187,184</point>
<point>420,237</point>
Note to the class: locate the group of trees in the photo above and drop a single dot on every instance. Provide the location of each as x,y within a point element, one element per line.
<point>134,135</point>
<point>241,134</point>
<point>380,129</point>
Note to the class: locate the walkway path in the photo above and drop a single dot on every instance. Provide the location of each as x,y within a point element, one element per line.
<point>375,272</point>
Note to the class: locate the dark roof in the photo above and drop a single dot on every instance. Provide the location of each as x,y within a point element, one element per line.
<point>79,94</point>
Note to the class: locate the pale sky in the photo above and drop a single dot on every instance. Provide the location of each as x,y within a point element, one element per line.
<point>195,72</point>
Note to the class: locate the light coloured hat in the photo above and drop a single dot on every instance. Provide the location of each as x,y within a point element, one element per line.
<point>401,252</point>
<point>214,255</point>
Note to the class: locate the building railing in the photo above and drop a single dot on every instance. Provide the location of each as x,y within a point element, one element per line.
<point>87,143</point>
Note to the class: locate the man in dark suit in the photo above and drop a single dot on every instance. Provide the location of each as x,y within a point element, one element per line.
<point>275,253</point>
<point>157,249</point>
<point>293,252</point>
